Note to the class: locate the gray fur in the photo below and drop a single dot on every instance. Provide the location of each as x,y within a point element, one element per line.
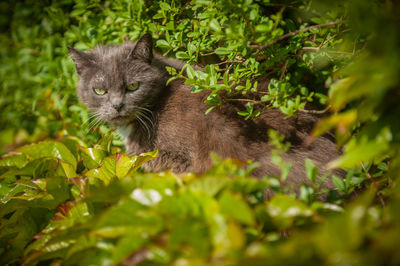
<point>171,119</point>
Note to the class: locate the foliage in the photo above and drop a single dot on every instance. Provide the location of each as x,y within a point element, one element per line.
<point>91,206</point>
<point>73,197</point>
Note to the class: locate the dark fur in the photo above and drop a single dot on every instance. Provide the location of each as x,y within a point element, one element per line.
<point>175,123</point>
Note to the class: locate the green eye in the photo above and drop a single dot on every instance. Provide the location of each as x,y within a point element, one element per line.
<point>99,91</point>
<point>134,86</point>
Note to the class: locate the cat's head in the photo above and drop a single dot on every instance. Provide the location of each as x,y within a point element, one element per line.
<point>117,82</point>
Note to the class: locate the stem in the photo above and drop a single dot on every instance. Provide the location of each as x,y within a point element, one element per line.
<point>243,100</point>
<point>229,62</point>
<point>315,111</point>
<point>290,34</point>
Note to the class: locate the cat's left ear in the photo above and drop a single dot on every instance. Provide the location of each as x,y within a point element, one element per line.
<point>143,49</point>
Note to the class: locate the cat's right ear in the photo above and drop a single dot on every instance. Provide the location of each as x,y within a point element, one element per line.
<point>143,49</point>
<point>81,59</point>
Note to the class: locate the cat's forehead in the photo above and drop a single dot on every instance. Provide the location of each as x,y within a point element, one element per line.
<point>109,53</point>
<point>99,77</point>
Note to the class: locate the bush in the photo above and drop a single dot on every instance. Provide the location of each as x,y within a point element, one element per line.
<point>73,197</point>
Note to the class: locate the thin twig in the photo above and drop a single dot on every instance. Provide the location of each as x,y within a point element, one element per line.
<point>326,41</point>
<point>206,54</point>
<point>243,100</point>
<point>284,68</point>
<point>365,171</point>
<point>290,34</point>
<point>229,62</point>
<point>315,111</point>
<point>327,51</point>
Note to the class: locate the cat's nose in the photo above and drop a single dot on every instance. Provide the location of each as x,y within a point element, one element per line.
<point>118,106</point>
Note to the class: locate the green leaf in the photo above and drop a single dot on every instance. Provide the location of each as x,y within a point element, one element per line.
<point>162,44</point>
<point>210,185</point>
<point>148,197</point>
<point>338,182</point>
<point>223,51</point>
<point>209,110</point>
<point>126,246</point>
<point>311,171</point>
<point>362,153</point>
<point>143,158</point>
<point>18,160</point>
<point>190,72</point>
<point>182,55</point>
<point>105,143</point>
<point>236,208</point>
<point>285,210</point>
<point>50,149</point>
<point>214,25</point>
<point>106,171</point>
<point>165,6</point>
<point>92,157</point>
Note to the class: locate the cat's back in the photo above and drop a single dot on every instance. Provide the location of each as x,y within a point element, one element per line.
<point>184,127</point>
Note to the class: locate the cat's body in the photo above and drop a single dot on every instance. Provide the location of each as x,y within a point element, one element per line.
<point>172,120</point>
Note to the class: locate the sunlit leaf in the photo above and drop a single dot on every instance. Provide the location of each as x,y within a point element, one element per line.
<point>49,149</point>
<point>236,208</point>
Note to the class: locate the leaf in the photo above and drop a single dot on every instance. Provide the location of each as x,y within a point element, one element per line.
<point>342,121</point>
<point>209,110</point>
<point>148,197</point>
<point>190,71</point>
<point>338,182</point>
<point>362,153</point>
<point>262,28</point>
<point>106,171</point>
<point>49,149</point>
<point>182,55</point>
<point>236,208</point>
<point>143,158</point>
<point>126,246</point>
<point>285,210</point>
<point>210,185</point>
<point>311,171</point>
<point>223,51</point>
<point>162,44</point>
<point>119,165</point>
<point>18,160</point>
<point>214,25</point>
<point>124,164</point>
<point>46,168</point>
<point>105,143</point>
<point>92,157</point>
<point>165,6</point>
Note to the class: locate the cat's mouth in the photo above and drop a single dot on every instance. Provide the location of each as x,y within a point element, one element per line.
<point>120,119</point>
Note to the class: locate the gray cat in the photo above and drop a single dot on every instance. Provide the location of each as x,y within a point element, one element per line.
<point>125,86</point>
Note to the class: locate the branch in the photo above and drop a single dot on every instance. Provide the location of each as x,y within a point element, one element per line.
<point>243,100</point>
<point>229,62</point>
<point>207,54</point>
<point>315,111</point>
<point>290,34</point>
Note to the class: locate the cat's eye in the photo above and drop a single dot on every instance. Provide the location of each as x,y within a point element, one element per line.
<point>99,91</point>
<point>132,87</point>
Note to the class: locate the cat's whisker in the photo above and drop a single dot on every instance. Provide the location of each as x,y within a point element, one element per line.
<point>89,119</point>
<point>97,120</point>
<point>145,109</point>
<point>91,123</point>
<point>150,121</point>
<point>144,124</point>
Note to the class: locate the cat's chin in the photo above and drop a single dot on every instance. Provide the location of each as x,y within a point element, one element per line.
<point>119,120</point>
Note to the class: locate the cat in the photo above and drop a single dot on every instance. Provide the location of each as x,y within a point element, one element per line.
<point>125,85</point>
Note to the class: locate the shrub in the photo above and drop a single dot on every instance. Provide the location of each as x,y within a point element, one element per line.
<point>74,197</point>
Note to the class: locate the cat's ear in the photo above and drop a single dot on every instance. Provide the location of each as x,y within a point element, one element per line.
<point>81,59</point>
<point>143,49</point>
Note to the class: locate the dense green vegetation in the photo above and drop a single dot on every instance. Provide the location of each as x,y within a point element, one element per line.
<point>69,195</point>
